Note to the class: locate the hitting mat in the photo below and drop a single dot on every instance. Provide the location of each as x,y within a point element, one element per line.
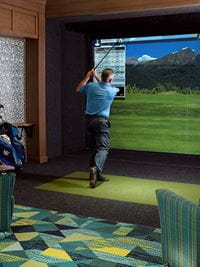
<point>121,188</point>
<point>45,238</point>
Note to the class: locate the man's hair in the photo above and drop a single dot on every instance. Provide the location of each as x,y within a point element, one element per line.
<point>107,74</point>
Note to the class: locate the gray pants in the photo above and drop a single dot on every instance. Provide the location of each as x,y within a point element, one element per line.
<point>99,139</point>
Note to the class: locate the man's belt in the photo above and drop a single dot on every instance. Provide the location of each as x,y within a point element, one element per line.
<point>96,116</point>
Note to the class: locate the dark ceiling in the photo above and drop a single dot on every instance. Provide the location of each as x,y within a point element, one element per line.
<point>139,26</point>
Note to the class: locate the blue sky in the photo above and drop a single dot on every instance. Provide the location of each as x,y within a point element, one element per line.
<point>160,49</point>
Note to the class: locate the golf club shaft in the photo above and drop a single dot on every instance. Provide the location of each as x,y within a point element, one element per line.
<point>105,55</point>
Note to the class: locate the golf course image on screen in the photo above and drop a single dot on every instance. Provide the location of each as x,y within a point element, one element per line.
<point>161,108</point>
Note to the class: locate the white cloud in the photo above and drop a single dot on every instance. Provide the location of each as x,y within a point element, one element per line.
<point>145,58</point>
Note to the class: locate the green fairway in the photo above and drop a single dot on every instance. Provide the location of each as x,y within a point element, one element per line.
<point>164,122</point>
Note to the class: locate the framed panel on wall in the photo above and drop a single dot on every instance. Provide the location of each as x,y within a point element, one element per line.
<point>12,78</point>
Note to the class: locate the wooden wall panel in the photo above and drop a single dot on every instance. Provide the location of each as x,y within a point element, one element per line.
<point>16,21</point>
<point>42,90</point>
<point>5,19</point>
<point>32,109</point>
<point>25,23</point>
<point>35,94</point>
<point>26,18</point>
<point>34,5</point>
<point>62,8</point>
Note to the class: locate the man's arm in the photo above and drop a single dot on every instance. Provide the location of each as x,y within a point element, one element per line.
<point>89,75</point>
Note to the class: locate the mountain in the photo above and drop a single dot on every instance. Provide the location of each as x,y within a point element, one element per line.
<point>197,59</point>
<point>184,56</point>
<point>180,68</point>
<point>132,61</point>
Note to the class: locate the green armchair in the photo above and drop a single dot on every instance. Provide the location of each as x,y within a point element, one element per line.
<point>180,229</point>
<point>7,182</point>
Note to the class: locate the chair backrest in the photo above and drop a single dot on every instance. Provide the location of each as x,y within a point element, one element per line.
<point>7,182</point>
<point>180,229</point>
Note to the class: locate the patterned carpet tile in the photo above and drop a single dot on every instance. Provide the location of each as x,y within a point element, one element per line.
<point>44,238</point>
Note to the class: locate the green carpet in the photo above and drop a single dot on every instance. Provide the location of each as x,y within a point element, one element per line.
<point>46,238</point>
<point>121,188</point>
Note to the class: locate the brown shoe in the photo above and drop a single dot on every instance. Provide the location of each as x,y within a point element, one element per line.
<point>93,177</point>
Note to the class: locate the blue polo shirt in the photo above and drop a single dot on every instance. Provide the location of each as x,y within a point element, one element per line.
<point>99,98</point>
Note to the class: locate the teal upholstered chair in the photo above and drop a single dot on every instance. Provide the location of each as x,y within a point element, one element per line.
<point>180,229</point>
<point>7,182</point>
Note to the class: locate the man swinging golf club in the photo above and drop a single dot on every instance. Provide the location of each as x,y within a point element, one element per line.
<point>100,96</point>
